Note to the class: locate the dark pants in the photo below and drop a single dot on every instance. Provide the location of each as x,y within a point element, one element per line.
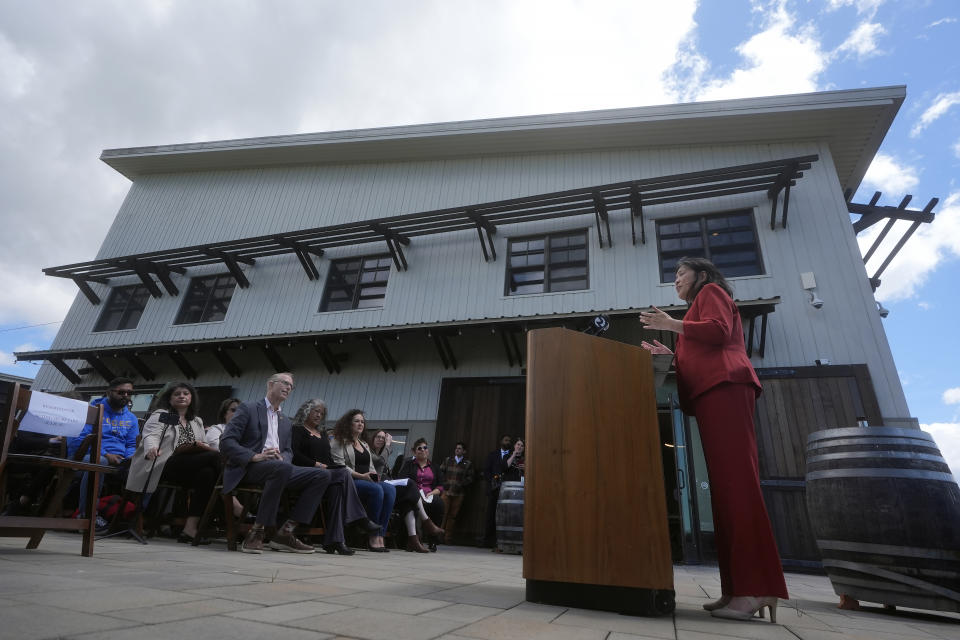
<point>277,475</point>
<point>341,505</point>
<point>197,471</point>
<point>490,535</point>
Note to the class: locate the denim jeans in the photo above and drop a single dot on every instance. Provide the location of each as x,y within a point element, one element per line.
<point>378,499</point>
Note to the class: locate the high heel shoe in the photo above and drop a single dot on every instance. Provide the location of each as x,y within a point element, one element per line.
<point>754,605</point>
<point>717,604</point>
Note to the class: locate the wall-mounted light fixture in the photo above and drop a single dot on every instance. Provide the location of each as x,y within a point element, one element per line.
<point>882,310</point>
<point>809,283</point>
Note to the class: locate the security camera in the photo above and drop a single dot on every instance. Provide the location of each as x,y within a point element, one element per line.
<point>882,310</point>
<point>815,301</point>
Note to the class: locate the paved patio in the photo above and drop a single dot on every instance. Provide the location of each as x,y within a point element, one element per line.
<point>168,590</point>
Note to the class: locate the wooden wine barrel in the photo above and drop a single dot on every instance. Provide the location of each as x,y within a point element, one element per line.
<point>885,511</point>
<point>510,518</point>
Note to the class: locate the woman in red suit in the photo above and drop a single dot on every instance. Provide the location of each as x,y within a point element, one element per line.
<point>717,384</point>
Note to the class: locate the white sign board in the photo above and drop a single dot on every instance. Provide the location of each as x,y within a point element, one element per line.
<point>54,415</point>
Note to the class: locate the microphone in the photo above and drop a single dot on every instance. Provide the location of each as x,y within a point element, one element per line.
<point>598,326</point>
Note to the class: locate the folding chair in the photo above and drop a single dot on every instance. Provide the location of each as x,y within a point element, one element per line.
<point>56,416</point>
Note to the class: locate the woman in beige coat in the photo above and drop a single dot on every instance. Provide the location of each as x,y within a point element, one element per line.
<point>172,448</point>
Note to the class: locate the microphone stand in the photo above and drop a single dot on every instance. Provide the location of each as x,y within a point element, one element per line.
<point>131,529</point>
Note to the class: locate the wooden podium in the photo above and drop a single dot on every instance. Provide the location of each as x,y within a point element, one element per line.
<point>595,518</point>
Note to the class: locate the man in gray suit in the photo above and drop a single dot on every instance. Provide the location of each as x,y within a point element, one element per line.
<point>257,446</point>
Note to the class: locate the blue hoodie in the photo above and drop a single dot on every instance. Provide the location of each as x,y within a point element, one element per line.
<point>120,431</point>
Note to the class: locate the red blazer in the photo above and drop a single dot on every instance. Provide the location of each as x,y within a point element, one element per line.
<point>711,350</point>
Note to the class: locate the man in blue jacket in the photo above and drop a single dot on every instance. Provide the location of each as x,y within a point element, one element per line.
<point>120,430</point>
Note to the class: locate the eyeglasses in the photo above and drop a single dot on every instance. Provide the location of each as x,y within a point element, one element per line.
<point>284,383</point>
<point>423,447</point>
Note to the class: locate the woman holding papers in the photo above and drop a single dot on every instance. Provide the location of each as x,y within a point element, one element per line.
<point>717,384</point>
<point>421,473</point>
<point>172,447</point>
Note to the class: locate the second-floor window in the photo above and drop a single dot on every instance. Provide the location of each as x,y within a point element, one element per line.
<point>356,283</point>
<point>729,240</point>
<point>547,263</point>
<point>123,308</point>
<point>207,299</point>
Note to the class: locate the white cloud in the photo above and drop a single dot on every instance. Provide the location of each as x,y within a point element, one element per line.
<point>931,245</point>
<point>926,306</point>
<point>952,396</point>
<point>6,359</point>
<point>868,7</point>
<point>956,148</point>
<point>940,105</point>
<point>16,70</point>
<point>947,437</point>
<point>782,44</point>
<point>888,175</point>
<point>937,23</point>
<point>862,41</point>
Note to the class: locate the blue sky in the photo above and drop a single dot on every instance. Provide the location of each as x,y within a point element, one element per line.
<point>76,78</point>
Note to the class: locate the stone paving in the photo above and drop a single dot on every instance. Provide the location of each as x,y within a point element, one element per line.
<point>173,591</point>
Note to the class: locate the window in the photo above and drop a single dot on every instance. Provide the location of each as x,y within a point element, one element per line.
<point>729,240</point>
<point>123,308</point>
<point>356,283</point>
<point>543,264</point>
<point>207,299</point>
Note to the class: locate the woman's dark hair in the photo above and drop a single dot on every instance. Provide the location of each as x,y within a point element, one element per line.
<point>343,429</point>
<point>222,411</point>
<point>702,265</point>
<point>163,398</point>
<point>419,442</point>
<point>372,436</point>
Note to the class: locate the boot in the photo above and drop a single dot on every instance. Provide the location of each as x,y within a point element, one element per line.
<point>413,544</point>
<point>432,530</point>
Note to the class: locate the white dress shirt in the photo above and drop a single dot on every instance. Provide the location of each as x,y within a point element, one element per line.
<point>273,423</point>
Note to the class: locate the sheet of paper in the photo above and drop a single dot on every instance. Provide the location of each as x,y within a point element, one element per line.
<point>54,415</point>
<point>402,482</point>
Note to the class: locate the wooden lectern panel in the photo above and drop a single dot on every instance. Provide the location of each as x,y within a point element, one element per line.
<point>595,510</point>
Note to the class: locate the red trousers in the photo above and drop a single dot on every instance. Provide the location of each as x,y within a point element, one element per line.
<point>746,550</point>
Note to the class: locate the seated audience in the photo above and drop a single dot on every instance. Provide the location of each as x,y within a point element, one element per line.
<point>348,448</point>
<point>311,448</point>
<point>424,475</point>
<point>173,449</point>
<point>257,446</point>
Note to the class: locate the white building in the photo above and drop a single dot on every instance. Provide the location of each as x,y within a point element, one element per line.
<point>231,260</point>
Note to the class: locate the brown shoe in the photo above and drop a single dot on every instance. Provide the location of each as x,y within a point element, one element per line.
<point>253,543</point>
<point>431,529</point>
<point>413,544</point>
<point>289,543</point>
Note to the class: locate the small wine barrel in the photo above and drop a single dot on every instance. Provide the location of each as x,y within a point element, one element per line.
<point>510,518</point>
<point>885,511</point>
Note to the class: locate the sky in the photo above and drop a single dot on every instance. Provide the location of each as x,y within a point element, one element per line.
<point>80,77</point>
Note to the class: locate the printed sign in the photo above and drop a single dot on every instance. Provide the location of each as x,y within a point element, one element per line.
<point>54,415</point>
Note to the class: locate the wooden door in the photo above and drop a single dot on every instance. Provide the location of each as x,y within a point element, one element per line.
<point>477,411</point>
<point>795,403</point>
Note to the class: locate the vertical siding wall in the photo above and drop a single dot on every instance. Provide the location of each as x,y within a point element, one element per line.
<point>448,280</point>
